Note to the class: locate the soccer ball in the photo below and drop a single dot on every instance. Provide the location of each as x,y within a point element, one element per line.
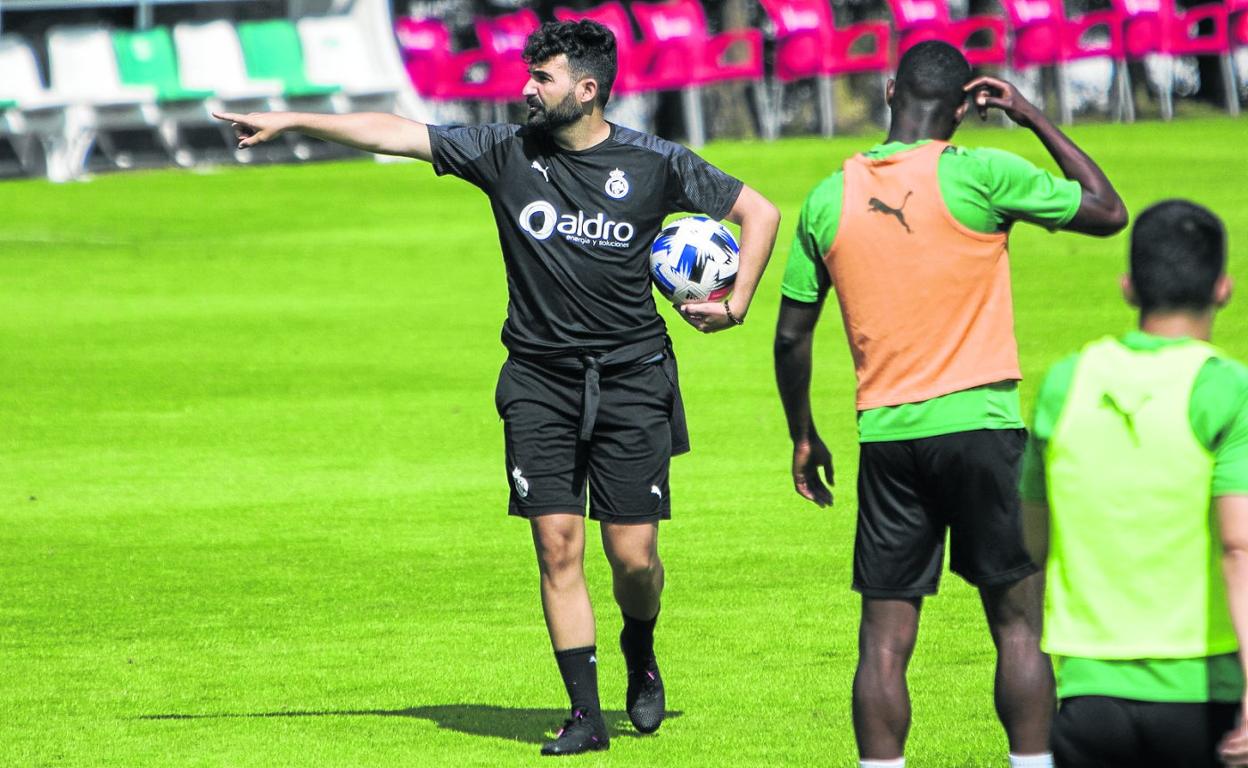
<point>694,259</point>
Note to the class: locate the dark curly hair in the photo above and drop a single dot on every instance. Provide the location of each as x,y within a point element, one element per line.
<point>589,46</point>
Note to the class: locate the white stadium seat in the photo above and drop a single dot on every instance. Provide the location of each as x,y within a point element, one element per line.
<point>210,58</point>
<point>62,130</point>
<point>336,53</point>
<point>83,66</point>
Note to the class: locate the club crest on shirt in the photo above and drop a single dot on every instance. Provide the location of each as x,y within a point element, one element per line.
<point>617,186</point>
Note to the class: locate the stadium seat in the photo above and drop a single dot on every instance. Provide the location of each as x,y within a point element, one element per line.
<point>271,51</point>
<point>145,58</point>
<point>210,58</point>
<point>1157,27</point>
<point>435,71</point>
<point>335,52</point>
<point>84,70</point>
<point>1238,20</point>
<point>919,20</point>
<point>634,56</point>
<point>33,119</point>
<point>809,45</point>
<point>1238,10</point>
<point>1043,36</point>
<point>502,41</point>
<point>687,56</point>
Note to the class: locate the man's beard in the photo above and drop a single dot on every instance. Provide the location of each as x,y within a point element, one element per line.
<point>551,119</point>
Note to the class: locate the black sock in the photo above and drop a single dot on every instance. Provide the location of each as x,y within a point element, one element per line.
<point>637,641</point>
<point>579,669</point>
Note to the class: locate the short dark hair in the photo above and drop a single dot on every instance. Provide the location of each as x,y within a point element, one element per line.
<point>1178,252</point>
<point>932,71</point>
<point>589,46</point>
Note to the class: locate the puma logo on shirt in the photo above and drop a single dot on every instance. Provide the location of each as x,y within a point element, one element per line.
<point>875,204</point>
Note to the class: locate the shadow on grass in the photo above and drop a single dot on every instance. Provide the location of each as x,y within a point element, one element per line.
<point>513,723</point>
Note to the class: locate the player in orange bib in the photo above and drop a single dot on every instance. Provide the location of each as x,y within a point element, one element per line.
<point>912,235</point>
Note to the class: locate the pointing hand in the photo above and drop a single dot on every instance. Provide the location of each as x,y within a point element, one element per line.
<point>254,128</point>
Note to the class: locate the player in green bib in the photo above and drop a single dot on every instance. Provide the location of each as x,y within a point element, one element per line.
<point>1135,485</point>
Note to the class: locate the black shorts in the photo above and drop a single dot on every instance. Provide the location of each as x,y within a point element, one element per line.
<point>636,429</point>
<point>1107,732</point>
<point>911,491</point>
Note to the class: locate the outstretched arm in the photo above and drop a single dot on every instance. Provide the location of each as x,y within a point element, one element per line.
<point>1101,210</point>
<point>1233,525</point>
<point>795,333</point>
<point>759,220</point>
<point>378,132</point>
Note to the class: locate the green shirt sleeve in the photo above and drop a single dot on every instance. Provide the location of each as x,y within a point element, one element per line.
<point>1049,402</point>
<point>988,189</point>
<point>805,276</point>
<point>1219,416</point>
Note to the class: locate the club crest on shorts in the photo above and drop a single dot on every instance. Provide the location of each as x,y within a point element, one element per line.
<point>522,484</point>
<point>617,186</point>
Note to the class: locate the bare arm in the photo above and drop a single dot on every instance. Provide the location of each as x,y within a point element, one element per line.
<point>1233,523</point>
<point>795,332</point>
<point>759,220</point>
<point>1101,210</point>
<point>378,132</point>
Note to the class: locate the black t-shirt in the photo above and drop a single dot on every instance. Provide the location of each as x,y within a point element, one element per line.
<point>576,227</point>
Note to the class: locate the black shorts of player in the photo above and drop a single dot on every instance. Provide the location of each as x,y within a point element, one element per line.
<point>911,491</point>
<point>1108,732</point>
<point>638,426</point>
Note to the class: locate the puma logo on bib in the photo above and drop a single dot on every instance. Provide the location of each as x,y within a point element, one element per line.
<point>879,206</point>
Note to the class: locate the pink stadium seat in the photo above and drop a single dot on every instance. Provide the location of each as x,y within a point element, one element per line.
<point>1238,10</point>
<point>809,44</point>
<point>1044,36</point>
<point>919,20</point>
<point>634,57</point>
<point>685,53</point>
<point>502,40</point>
<point>437,73</point>
<point>687,56</point>
<point>1158,27</point>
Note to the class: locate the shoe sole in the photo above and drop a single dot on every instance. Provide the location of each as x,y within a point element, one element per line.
<point>600,747</point>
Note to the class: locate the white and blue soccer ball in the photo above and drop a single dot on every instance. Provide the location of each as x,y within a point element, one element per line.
<point>694,259</point>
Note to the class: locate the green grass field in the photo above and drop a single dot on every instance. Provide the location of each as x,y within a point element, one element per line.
<point>252,501</point>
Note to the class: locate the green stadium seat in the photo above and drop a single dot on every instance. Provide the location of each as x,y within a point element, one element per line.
<point>272,51</point>
<point>146,58</point>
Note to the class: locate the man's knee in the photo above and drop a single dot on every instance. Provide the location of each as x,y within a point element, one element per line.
<point>640,567</point>
<point>560,551</point>
<point>889,629</point>
<point>1015,608</point>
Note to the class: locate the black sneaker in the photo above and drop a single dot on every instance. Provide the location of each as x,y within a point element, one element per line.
<point>645,700</point>
<point>583,732</point>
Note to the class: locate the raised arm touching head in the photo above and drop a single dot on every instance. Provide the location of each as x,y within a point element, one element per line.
<point>795,333</point>
<point>379,132</point>
<point>1101,211</point>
